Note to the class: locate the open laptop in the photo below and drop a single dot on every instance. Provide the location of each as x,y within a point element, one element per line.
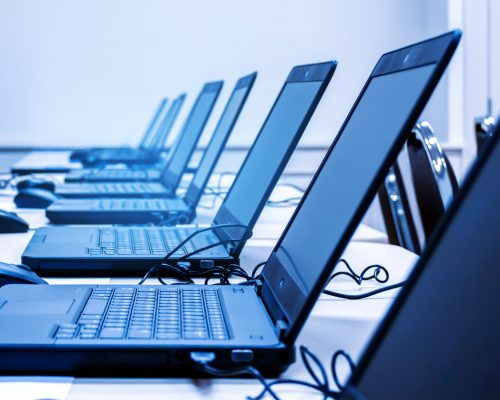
<point>68,329</point>
<point>159,210</point>
<point>440,337</point>
<point>125,250</point>
<point>173,170</point>
<point>134,172</point>
<point>100,154</point>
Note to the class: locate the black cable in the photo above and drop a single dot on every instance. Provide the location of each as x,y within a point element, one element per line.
<point>218,191</point>
<point>364,295</point>
<point>5,182</point>
<point>247,235</point>
<point>256,268</point>
<point>312,364</point>
<point>333,366</point>
<point>380,274</point>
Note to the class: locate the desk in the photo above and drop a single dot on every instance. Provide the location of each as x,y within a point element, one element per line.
<point>334,323</point>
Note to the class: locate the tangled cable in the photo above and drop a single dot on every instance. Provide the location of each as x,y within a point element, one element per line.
<point>312,364</point>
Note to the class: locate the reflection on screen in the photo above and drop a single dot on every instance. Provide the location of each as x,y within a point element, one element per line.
<point>346,175</point>
<point>269,150</point>
<point>218,138</point>
<point>190,133</point>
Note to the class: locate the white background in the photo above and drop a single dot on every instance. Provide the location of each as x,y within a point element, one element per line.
<point>75,73</point>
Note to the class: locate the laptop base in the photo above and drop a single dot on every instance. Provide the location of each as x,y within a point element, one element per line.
<point>136,362</point>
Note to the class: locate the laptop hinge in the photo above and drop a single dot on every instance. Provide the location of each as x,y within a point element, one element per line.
<point>257,285</point>
<point>280,328</point>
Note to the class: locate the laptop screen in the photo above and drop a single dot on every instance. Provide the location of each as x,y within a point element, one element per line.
<point>188,137</point>
<point>152,127</point>
<point>269,150</point>
<point>214,148</point>
<point>350,168</point>
<point>450,301</point>
<point>167,123</point>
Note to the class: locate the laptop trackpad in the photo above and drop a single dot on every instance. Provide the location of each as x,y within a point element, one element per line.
<point>70,236</point>
<point>16,307</point>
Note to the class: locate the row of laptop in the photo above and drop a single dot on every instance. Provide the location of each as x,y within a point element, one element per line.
<point>174,330</point>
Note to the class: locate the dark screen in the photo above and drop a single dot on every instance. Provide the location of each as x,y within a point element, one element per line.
<point>443,342</point>
<point>270,149</point>
<point>220,134</point>
<point>350,169</point>
<point>190,133</point>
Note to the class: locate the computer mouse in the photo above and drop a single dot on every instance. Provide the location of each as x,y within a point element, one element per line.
<point>36,183</point>
<point>78,155</point>
<point>12,223</point>
<point>12,273</point>
<point>34,198</point>
<point>90,160</point>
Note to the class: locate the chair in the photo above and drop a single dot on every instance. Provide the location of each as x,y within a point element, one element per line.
<point>432,175</point>
<point>396,212</point>
<point>483,127</point>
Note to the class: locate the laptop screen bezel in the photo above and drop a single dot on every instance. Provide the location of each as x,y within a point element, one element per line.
<point>436,51</point>
<point>320,72</point>
<point>168,178</point>
<point>194,193</point>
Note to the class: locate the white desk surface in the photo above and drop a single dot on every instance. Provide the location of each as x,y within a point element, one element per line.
<point>46,159</point>
<point>334,323</point>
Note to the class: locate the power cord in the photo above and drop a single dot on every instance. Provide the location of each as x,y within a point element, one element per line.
<point>183,274</point>
<point>311,362</point>
<point>219,191</point>
<point>6,182</point>
<point>380,274</point>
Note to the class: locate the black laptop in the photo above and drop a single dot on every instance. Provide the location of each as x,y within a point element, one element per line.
<point>159,210</point>
<point>80,154</point>
<point>125,250</point>
<point>177,163</point>
<point>145,153</point>
<point>170,330</point>
<point>134,172</point>
<point>440,338</point>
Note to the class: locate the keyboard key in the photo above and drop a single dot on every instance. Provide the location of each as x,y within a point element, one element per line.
<point>95,306</point>
<point>196,334</point>
<point>112,333</point>
<point>139,333</point>
<point>167,335</point>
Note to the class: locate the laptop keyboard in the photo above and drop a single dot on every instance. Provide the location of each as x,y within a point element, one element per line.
<point>148,241</point>
<point>165,313</point>
<point>139,204</point>
<point>128,187</point>
<point>116,174</point>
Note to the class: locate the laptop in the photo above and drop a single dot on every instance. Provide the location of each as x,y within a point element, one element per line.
<point>126,250</point>
<point>159,210</point>
<point>172,172</point>
<point>134,172</point>
<point>169,330</point>
<point>93,155</point>
<point>440,337</point>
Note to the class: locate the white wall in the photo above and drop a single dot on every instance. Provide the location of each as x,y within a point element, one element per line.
<point>76,73</point>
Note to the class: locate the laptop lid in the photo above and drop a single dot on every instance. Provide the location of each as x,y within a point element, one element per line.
<point>219,139</point>
<point>167,123</point>
<point>272,148</point>
<point>440,338</point>
<point>190,134</point>
<point>349,177</point>
<point>151,128</point>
